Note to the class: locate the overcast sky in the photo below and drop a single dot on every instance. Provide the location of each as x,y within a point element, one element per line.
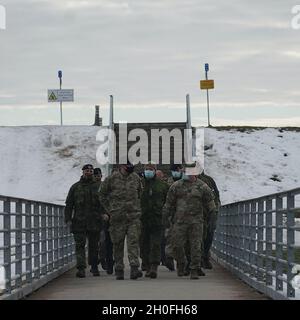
<point>149,54</point>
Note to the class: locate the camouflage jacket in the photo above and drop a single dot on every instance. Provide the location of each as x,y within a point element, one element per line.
<point>186,202</point>
<point>83,207</point>
<point>152,201</point>
<point>213,187</point>
<point>121,196</point>
<point>171,180</point>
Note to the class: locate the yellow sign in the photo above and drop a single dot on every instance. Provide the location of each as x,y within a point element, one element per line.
<point>207,84</point>
<point>52,97</point>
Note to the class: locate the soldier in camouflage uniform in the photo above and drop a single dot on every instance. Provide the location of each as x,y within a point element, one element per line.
<point>211,221</point>
<point>209,226</point>
<point>84,214</point>
<point>139,169</point>
<point>160,175</point>
<point>105,244</point>
<point>166,245</point>
<point>120,195</point>
<point>152,202</point>
<point>186,200</point>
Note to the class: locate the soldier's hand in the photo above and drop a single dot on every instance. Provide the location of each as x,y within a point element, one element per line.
<point>105,217</point>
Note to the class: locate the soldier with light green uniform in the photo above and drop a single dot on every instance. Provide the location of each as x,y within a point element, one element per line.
<point>185,204</point>
<point>120,194</point>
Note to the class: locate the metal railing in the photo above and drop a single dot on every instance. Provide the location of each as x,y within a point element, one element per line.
<point>35,245</point>
<point>255,239</point>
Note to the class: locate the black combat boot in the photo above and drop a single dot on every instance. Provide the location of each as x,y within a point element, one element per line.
<point>194,274</point>
<point>119,274</point>
<point>169,263</point>
<point>153,271</point>
<point>95,271</point>
<point>110,269</point>
<point>140,273</point>
<point>180,270</point>
<point>80,273</point>
<point>147,269</point>
<point>103,264</point>
<point>187,269</point>
<point>144,267</point>
<point>134,273</point>
<point>206,264</point>
<point>200,272</point>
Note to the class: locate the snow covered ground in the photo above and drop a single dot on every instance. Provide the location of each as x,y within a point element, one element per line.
<point>41,163</point>
<point>252,164</point>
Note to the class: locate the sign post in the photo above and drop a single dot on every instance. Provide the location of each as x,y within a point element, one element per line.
<point>206,85</point>
<point>60,83</point>
<point>207,95</point>
<point>60,95</point>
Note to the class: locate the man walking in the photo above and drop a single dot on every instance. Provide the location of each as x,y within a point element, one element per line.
<point>84,214</point>
<point>186,200</point>
<point>120,195</point>
<point>166,245</point>
<point>211,221</point>
<point>152,201</point>
<point>105,244</point>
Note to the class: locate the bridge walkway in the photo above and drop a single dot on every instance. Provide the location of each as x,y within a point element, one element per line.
<point>218,284</point>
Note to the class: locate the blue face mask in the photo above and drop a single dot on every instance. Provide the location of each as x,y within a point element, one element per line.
<point>149,174</point>
<point>185,177</point>
<point>176,174</point>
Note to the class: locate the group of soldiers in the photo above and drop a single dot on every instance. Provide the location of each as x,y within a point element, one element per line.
<point>162,219</point>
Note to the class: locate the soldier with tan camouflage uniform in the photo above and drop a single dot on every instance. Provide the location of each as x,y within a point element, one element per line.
<point>120,195</point>
<point>186,200</point>
<point>166,246</point>
<point>209,226</point>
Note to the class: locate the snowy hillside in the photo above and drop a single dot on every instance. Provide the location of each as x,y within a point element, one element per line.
<point>41,163</point>
<point>252,163</point>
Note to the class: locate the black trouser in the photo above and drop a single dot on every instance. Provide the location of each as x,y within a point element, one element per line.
<point>93,248</point>
<point>106,249</point>
<point>207,242</point>
<point>163,243</point>
<point>150,245</point>
<point>109,250</point>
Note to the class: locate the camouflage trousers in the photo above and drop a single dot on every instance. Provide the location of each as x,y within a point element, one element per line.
<point>150,246</point>
<point>207,239</point>
<point>93,248</point>
<point>187,237</point>
<point>131,231</point>
<point>208,235</point>
<point>169,245</point>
